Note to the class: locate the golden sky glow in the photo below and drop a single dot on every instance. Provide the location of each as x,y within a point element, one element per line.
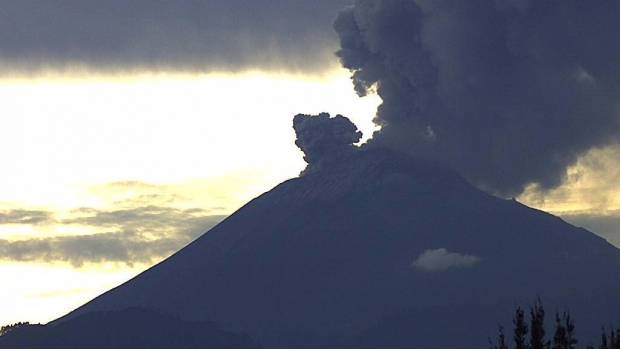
<point>592,185</point>
<point>39,292</point>
<point>118,143</point>
<point>589,196</point>
<point>159,129</point>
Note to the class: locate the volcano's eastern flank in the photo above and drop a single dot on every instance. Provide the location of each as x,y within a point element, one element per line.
<point>377,249</point>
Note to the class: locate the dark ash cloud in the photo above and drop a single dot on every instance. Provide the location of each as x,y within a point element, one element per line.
<point>506,92</point>
<point>136,235</point>
<point>182,35</point>
<point>322,137</point>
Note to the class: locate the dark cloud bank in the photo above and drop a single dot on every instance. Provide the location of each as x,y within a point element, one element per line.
<point>506,92</point>
<point>181,35</point>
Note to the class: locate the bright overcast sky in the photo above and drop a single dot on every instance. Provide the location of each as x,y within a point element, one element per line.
<point>92,155</point>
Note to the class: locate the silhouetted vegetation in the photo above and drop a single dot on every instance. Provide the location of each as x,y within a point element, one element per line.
<point>11,327</point>
<point>537,326</point>
<point>534,335</point>
<point>610,340</point>
<point>501,339</point>
<point>520,330</point>
<point>564,337</point>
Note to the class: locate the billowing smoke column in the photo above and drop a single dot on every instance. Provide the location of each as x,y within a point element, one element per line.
<point>506,92</point>
<point>324,139</point>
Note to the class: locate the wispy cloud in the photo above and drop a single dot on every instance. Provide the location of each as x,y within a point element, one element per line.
<point>24,216</point>
<point>139,235</point>
<point>141,223</point>
<point>148,218</point>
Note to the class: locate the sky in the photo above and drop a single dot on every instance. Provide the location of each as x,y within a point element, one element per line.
<point>130,128</point>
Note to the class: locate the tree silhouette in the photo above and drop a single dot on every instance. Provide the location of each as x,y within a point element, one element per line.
<point>560,340</point>
<point>569,325</point>
<point>603,339</point>
<point>520,330</point>
<point>611,341</point>
<point>564,337</point>
<point>537,326</point>
<point>11,327</point>
<point>501,339</point>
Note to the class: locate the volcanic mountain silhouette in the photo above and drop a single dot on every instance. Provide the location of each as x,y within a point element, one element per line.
<point>377,249</point>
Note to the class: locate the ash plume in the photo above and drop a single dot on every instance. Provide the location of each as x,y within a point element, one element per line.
<point>508,93</point>
<point>323,138</point>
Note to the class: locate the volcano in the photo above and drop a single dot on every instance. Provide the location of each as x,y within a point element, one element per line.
<point>374,248</point>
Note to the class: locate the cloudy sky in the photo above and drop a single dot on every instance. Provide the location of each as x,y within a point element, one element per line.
<point>130,128</point>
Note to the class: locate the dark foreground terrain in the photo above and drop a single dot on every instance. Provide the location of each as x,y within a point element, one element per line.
<point>130,328</point>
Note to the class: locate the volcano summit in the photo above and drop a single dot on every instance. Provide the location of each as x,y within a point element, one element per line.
<point>368,247</point>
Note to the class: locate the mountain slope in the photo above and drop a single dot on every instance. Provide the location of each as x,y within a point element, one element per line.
<point>336,257</point>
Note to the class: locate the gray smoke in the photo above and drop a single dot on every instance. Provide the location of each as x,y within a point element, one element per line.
<point>508,93</point>
<point>322,138</point>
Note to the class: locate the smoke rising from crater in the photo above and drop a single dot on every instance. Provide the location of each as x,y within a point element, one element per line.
<point>508,93</point>
<point>322,137</point>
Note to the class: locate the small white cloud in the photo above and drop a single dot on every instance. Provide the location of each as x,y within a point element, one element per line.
<point>441,259</point>
<point>582,76</point>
